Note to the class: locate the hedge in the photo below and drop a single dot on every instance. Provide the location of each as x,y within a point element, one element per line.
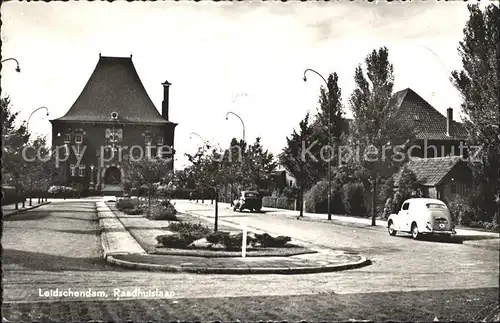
<point>9,196</point>
<point>316,199</point>
<point>279,202</point>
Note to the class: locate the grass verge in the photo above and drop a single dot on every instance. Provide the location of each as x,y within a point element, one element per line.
<point>290,250</point>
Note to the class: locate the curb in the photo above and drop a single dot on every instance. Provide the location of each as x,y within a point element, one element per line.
<point>25,209</point>
<point>130,232</point>
<point>238,270</point>
<point>103,234</point>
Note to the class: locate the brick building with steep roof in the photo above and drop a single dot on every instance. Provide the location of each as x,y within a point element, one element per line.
<point>113,111</point>
<point>440,163</point>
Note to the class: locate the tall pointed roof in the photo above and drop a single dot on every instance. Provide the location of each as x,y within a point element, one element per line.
<point>417,113</point>
<point>114,86</point>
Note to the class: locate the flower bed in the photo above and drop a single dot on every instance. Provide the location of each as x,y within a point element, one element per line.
<point>191,239</point>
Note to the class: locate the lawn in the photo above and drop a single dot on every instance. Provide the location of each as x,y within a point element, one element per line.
<point>420,306</point>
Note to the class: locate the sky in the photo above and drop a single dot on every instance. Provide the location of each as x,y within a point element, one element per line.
<point>244,57</point>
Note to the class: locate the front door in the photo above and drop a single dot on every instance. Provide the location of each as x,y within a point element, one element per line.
<point>112,176</point>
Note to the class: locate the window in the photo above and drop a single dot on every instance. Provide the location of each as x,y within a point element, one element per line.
<point>435,206</point>
<point>406,206</point>
<point>79,138</point>
<point>160,141</point>
<point>73,170</point>
<point>67,137</point>
<point>119,134</point>
<point>453,188</point>
<point>81,171</point>
<point>147,139</point>
<point>108,133</point>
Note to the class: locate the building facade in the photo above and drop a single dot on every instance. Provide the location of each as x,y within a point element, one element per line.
<point>112,118</point>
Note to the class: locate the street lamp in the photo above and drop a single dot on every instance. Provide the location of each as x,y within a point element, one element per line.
<point>12,59</point>
<point>329,143</point>
<point>242,123</point>
<point>199,136</point>
<point>40,108</point>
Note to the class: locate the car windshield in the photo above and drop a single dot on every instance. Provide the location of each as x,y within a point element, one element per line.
<point>250,195</point>
<point>435,206</point>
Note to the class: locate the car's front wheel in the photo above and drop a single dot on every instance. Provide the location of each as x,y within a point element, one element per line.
<point>391,230</point>
<point>414,231</point>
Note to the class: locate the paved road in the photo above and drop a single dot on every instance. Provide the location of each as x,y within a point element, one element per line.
<point>58,246</point>
<point>399,263</point>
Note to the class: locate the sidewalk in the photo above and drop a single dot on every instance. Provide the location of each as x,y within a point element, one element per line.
<point>122,249</point>
<point>343,219</point>
<point>10,209</point>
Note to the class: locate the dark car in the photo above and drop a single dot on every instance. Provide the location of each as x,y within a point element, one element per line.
<point>250,200</point>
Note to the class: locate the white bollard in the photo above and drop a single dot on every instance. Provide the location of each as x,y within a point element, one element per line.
<point>244,241</point>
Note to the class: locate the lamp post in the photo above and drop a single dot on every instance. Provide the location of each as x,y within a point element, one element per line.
<point>329,142</point>
<point>199,136</point>
<point>12,59</point>
<point>242,123</point>
<point>40,108</point>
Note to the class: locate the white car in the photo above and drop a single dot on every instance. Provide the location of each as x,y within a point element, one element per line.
<point>422,216</point>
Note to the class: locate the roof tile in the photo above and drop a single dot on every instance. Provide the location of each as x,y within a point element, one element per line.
<point>415,112</point>
<point>430,171</point>
<point>114,86</point>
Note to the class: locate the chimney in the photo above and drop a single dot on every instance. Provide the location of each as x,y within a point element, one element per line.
<point>449,120</point>
<point>164,104</point>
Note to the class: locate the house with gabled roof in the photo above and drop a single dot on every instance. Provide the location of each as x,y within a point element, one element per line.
<point>439,154</point>
<point>442,178</point>
<point>112,116</point>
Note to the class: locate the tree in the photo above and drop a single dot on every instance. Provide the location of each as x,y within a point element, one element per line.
<point>14,140</point>
<point>295,161</point>
<point>376,129</point>
<point>258,165</point>
<point>233,165</point>
<point>149,172</point>
<point>197,169</point>
<point>328,127</point>
<point>478,84</point>
<point>40,167</point>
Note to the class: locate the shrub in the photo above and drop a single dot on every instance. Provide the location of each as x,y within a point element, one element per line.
<point>163,214</point>
<point>278,202</point>
<point>216,237</point>
<point>462,211</point>
<point>316,199</point>
<point>388,208</point>
<point>266,240</point>
<point>123,204</point>
<point>233,242</point>
<point>163,211</point>
<point>353,198</point>
<point>194,229</point>
<point>176,240</point>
